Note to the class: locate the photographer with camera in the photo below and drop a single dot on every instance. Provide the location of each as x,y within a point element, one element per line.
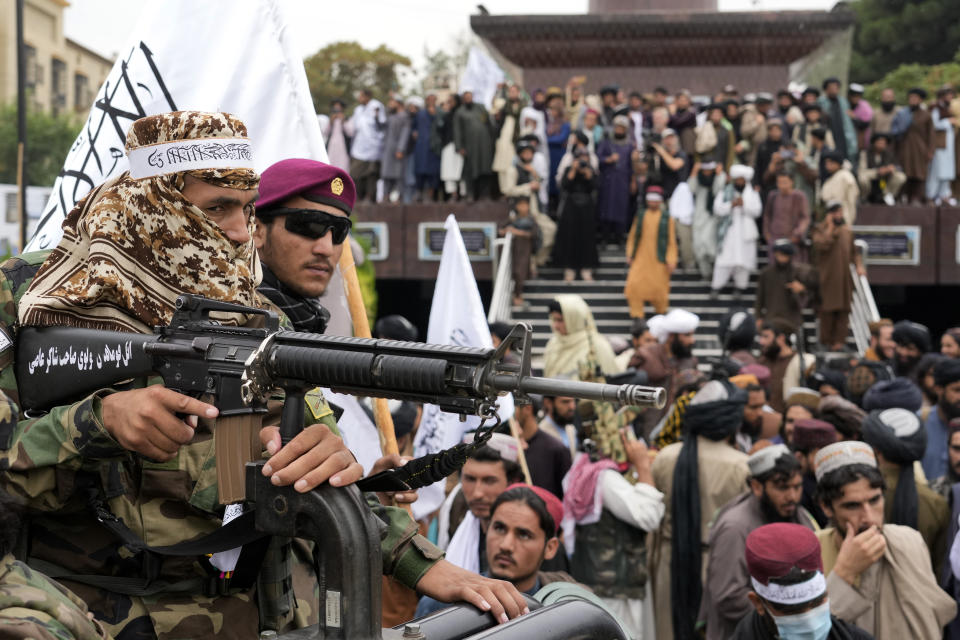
<point>669,162</point>
<point>834,251</point>
<point>575,248</point>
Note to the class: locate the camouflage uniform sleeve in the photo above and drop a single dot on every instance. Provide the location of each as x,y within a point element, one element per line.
<point>407,555</point>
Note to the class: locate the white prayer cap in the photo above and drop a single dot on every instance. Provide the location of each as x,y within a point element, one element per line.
<point>766,459</point>
<point>903,422</point>
<point>843,454</point>
<point>711,392</point>
<point>667,132</point>
<point>416,101</point>
<point>855,88</point>
<point>503,444</point>
<point>708,165</point>
<point>741,171</point>
<point>657,329</point>
<point>677,321</point>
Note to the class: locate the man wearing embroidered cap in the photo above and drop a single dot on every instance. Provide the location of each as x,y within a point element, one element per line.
<point>737,208</point>
<point>878,576</point>
<point>775,488</point>
<point>788,593</point>
<point>302,222</point>
<point>651,256</point>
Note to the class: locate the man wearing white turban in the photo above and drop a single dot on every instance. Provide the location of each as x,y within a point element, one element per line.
<point>736,208</point>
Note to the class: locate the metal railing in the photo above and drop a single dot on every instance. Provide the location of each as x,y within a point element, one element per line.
<point>502,297</point>
<point>863,308</point>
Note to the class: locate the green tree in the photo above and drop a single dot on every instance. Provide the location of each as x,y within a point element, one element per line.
<point>48,139</point>
<point>342,68</point>
<point>891,33</point>
<point>907,76</point>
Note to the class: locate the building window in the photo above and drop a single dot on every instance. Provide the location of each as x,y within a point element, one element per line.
<point>33,69</point>
<point>81,92</point>
<point>58,81</point>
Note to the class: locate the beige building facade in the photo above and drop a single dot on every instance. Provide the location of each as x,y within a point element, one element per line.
<point>63,76</point>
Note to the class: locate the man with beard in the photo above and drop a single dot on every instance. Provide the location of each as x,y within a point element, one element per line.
<point>928,385</point>
<point>899,439</point>
<point>877,576</point>
<point>548,459</point>
<point>788,593</point>
<point>473,137</point>
<point>809,436</point>
<point>651,255</point>
<point>558,412</point>
<point>883,117</point>
<point>778,355</point>
<point>913,340</point>
<point>786,215</point>
<point>663,361</point>
<point>944,484</point>
<point>785,288</point>
<point>697,477</point>
<point>880,176</point>
<point>737,207</point>
<point>524,525</point>
<point>837,110</point>
<point>947,379</point>
<point>913,129</point>
<point>683,120</point>
<point>715,139</point>
<point>614,202</point>
<point>834,251</point>
<point>775,488</point>
<point>486,474</point>
<point>765,154</point>
<point>395,139</point>
<point>840,185</point>
<point>861,113</point>
<point>753,413</point>
<point>882,347</point>
<point>736,332</point>
<point>706,182</point>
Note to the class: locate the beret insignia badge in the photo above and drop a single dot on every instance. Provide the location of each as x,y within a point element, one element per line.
<point>336,186</point>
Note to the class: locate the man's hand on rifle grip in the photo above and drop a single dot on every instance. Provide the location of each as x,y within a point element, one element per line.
<point>388,498</point>
<point>310,459</point>
<point>148,421</point>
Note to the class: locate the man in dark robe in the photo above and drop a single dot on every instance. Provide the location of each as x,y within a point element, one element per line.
<point>785,288</point>
<point>833,248</point>
<point>786,215</point>
<point>473,137</point>
<point>616,169</point>
<point>913,128</point>
<point>837,110</point>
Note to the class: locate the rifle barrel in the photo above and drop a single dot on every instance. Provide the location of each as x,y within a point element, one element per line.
<point>624,394</point>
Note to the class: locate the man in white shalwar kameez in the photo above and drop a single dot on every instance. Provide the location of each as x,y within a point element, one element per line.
<point>737,207</point>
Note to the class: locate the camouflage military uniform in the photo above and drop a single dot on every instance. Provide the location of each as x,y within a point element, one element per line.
<point>53,462</point>
<point>35,608</point>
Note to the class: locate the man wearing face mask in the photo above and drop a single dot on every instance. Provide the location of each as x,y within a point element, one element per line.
<point>883,117</point>
<point>787,589</point>
<point>878,575</point>
<point>775,489</point>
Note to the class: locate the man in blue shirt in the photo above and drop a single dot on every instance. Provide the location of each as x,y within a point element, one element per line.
<point>946,375</point>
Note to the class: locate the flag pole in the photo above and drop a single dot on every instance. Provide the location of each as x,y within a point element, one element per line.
<point>361,329</point>
<point>21,128</point>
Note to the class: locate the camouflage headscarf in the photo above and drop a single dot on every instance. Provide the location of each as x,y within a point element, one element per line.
<point>130,247</point>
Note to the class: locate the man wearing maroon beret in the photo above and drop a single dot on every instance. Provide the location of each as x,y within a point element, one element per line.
<point>302,222</point>
<point>809,436</point>
<point>788,589</point>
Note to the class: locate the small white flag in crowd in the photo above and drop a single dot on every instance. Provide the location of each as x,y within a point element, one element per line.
<point>457,318</point>
<point>240,61</point>
<point>481,76</point>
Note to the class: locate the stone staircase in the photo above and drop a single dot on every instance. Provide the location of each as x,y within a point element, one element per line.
<point>605,298</point>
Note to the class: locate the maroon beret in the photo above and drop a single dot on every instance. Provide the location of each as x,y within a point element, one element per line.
<point>810,434</point>
<point>554,506</point>
<point>315,181</point>
<point>774,549</point>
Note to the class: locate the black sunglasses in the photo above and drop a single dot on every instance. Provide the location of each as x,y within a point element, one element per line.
<point>314,224</point>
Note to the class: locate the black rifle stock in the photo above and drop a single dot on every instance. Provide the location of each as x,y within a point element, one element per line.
<point>240,367</point>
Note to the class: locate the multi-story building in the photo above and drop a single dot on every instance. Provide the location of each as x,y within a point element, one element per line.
<point>62,74</point>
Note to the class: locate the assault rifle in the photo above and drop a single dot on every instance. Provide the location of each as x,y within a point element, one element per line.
<point>239,368</point>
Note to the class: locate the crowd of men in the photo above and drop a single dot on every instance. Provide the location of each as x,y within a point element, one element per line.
<point>594,166</point>
<point>776,495</point>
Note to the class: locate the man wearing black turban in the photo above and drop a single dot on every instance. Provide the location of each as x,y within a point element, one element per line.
<point>946,378</point>
<point>913,340</point>
<point>704,459</point>
<point>898,393</point>
<point>899,440</point>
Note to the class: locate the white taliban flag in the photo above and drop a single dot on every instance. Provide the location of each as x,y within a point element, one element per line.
<point>240,61</point>
<point>457,318</point>
<point>481,76</point>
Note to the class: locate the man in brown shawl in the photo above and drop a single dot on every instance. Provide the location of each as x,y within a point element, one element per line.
<point>833,255</point>
<point>913,127</point>
<point>179,221</point>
